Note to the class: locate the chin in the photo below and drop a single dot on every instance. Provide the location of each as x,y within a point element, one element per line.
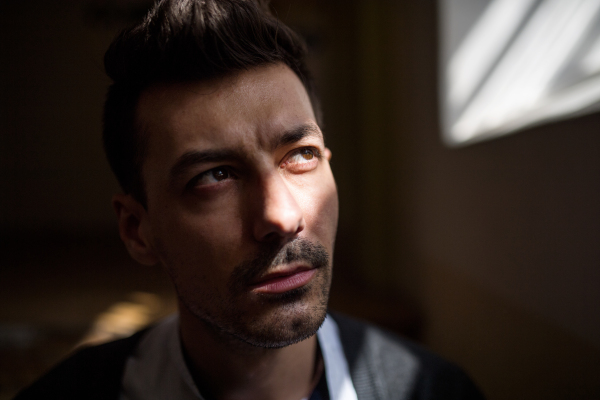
<point>290,324</point>
<point>269,320</point>
<point>290,317</point>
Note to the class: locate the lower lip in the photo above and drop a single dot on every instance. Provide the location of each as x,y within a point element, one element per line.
<point>283,284</point>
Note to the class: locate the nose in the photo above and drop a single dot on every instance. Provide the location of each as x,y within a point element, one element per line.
<point>278,215</point>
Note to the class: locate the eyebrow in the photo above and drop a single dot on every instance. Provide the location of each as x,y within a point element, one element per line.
<point>191,158</point>
<point>296,134</point>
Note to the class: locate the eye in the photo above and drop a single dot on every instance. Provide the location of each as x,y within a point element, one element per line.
<point>211,177</point>
<point>302,160</point>
<point>304,155</point>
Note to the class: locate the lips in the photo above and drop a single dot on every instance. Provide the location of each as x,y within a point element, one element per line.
<point>281,282</point>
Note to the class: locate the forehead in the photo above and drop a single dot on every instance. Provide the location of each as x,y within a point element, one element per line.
<point>247,109</point>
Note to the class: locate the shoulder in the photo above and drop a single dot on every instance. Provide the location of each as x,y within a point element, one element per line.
<point>92,373</point>
<point>385,366</point>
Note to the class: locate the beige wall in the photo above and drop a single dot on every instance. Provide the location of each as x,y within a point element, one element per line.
<point>497,242</point>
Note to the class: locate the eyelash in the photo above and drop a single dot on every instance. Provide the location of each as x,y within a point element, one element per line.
<point>314,152</point>
<point>230,174</point>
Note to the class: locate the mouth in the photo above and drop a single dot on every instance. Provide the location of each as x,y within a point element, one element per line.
<point>285,280</point>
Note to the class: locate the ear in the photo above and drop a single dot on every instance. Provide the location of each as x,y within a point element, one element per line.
<point>133,224</point>
<point>327,154</point>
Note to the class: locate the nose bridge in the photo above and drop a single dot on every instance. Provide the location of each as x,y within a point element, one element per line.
<point>278,213</point>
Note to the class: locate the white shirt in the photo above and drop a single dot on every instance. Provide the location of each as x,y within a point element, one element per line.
<point>157,370</point>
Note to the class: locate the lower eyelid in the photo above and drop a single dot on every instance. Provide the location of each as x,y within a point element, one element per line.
<point>303,166</point>
<point>194,182</point>
<point>315,151</point>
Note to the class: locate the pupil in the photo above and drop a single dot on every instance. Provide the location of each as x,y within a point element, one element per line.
<point>307,154</point>
<point>220,174</point>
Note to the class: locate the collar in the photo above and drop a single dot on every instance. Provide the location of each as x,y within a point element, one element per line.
<point>157,370</point>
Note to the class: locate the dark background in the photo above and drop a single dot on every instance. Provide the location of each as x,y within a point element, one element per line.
<point>488,254</point>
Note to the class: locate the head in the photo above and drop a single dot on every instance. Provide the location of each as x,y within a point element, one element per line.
<point>211,129</point>
<point>188,41</point>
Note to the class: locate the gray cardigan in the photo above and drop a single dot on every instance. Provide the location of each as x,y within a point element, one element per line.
<point>382,365</point>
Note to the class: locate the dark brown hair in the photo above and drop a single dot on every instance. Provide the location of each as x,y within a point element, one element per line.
<point>187,40</point>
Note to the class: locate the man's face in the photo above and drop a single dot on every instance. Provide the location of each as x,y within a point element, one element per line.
<point>242,205</point>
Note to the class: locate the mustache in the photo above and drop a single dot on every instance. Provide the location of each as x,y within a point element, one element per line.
<point>271,255</point>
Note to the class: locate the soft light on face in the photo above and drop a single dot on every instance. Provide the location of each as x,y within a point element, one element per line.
<point>240,194</point>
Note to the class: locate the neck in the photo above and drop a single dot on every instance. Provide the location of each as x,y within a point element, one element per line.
<point>226,368</point>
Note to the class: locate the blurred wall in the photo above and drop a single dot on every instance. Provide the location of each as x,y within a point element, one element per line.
<point>495,245</point>
<point>52,170</point>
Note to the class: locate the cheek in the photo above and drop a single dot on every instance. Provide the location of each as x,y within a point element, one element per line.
<point>320,205</point>
<point>199,241</point>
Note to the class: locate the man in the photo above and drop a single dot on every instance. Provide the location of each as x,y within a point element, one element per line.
<point>212,129</point>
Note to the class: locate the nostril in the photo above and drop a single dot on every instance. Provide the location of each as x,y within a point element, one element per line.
<point>300,226</point>
<point>268,229</point>
<point>271,237</point>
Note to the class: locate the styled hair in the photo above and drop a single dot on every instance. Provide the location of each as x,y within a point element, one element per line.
<point>183,41</point>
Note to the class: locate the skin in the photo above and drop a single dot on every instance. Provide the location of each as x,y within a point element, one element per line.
<point>237,177</point>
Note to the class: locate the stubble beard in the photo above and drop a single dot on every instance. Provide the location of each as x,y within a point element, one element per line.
<point>282,319</point>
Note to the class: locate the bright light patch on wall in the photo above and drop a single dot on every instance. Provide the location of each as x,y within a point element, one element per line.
<point>510,64</point>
